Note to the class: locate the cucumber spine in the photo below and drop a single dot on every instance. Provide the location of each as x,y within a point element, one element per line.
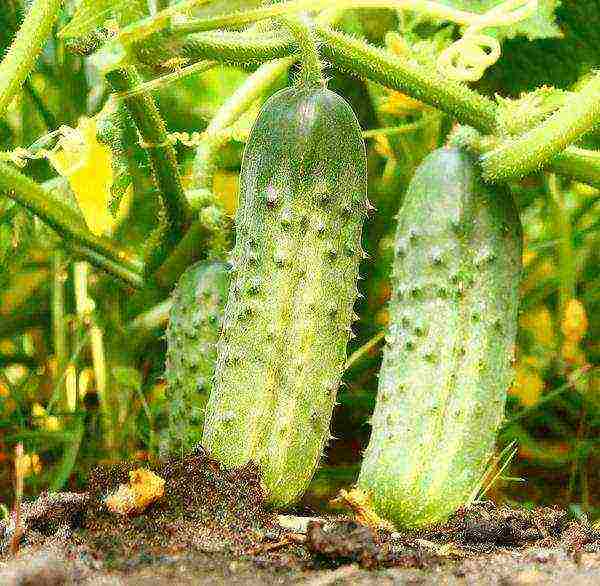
<point>289,312</point>
<point>449,350</point>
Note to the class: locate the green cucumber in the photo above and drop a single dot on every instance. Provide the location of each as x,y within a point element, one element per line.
<point>194,324</point>
<point>294,283</point>
<point>449,350</point>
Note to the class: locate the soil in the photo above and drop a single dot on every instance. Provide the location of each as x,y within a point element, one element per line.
<point>212,527</point>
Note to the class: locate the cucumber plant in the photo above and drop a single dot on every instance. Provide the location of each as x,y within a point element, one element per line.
<point>294,282</point>
<point>447,361</point>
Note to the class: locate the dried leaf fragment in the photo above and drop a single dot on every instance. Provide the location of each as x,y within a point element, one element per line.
<point>360,504</point>
<point>143,489</point>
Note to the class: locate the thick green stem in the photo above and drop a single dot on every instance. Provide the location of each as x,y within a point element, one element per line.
<point>406,75</point>
<point>155,141</point>
<point>420,81</point>
<point>576,163</point>
<point>232,47</point>
<point>99,251</point>
<point>529,152</point>
<point>26,47</point>
<point>302,30</point>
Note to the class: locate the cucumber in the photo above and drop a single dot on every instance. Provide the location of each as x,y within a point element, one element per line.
<point>294,283</point>
<point>194,323</point>
<point>449,350</point>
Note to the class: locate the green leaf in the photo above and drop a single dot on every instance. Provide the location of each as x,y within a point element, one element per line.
<point>541,25</point>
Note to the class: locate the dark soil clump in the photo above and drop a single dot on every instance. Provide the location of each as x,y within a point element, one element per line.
<point>212,527</point>
<point>204,508</point>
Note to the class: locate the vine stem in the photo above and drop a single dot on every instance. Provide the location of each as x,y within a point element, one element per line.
<point>520,156</point>
<point>579,164</point>
<point>302,30</point>
<point>432,9</point>
<point>155,140</point>
<point>25,49</point>
<point>99,251</point>
<point>426,84</point>
<point>406,75</point>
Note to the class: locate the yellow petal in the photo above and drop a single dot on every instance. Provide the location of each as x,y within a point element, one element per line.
<point>528,386</point>
<point>225,187</point>
<point>575,323</point>
<point>87,164</point>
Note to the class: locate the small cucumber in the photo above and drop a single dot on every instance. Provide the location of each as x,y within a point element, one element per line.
<point>193,330</point>
<point>447,363</point>
<point>290,307</point>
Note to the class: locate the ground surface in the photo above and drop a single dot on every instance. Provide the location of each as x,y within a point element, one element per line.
<point>211,527</point>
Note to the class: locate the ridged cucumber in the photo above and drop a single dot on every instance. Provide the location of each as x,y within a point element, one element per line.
<point>448,358</point>
<point>194,323</point>
<point>290,307</point>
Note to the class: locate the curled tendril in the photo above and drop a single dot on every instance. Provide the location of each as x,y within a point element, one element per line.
<point>468,58</point>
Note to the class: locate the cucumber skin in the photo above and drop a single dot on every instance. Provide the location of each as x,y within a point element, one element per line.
<point>449,350</point>
<point>290,307</point>
<point>192,333</point>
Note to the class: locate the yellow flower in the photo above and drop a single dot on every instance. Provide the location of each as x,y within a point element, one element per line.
<point>38,411</point>
<point>52,423</point>
<point>575,323</point>
<point>383,147</point>
<point>26,465</point>
<point>528,386</point>
<point>399,104</point>
<point>539,322</point>
<point>7,403</point>
<point>87,164</point>
<point>225,187</point>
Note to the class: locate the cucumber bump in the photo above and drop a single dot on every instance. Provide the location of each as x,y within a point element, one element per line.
<point>294,282</point>
<point>192,334</point>
<point>447,363</point>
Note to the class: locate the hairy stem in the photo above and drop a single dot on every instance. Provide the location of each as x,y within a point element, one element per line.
<point>99,251</point>
<point>403,74</point>
<point>26,47</point>
<point>577,163</point>
<point>233,47</point>
<point>302,30</point>
<point>432,9</point>
<point>406,75</point>
<point>530,151</point>
<point>144,112</point>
